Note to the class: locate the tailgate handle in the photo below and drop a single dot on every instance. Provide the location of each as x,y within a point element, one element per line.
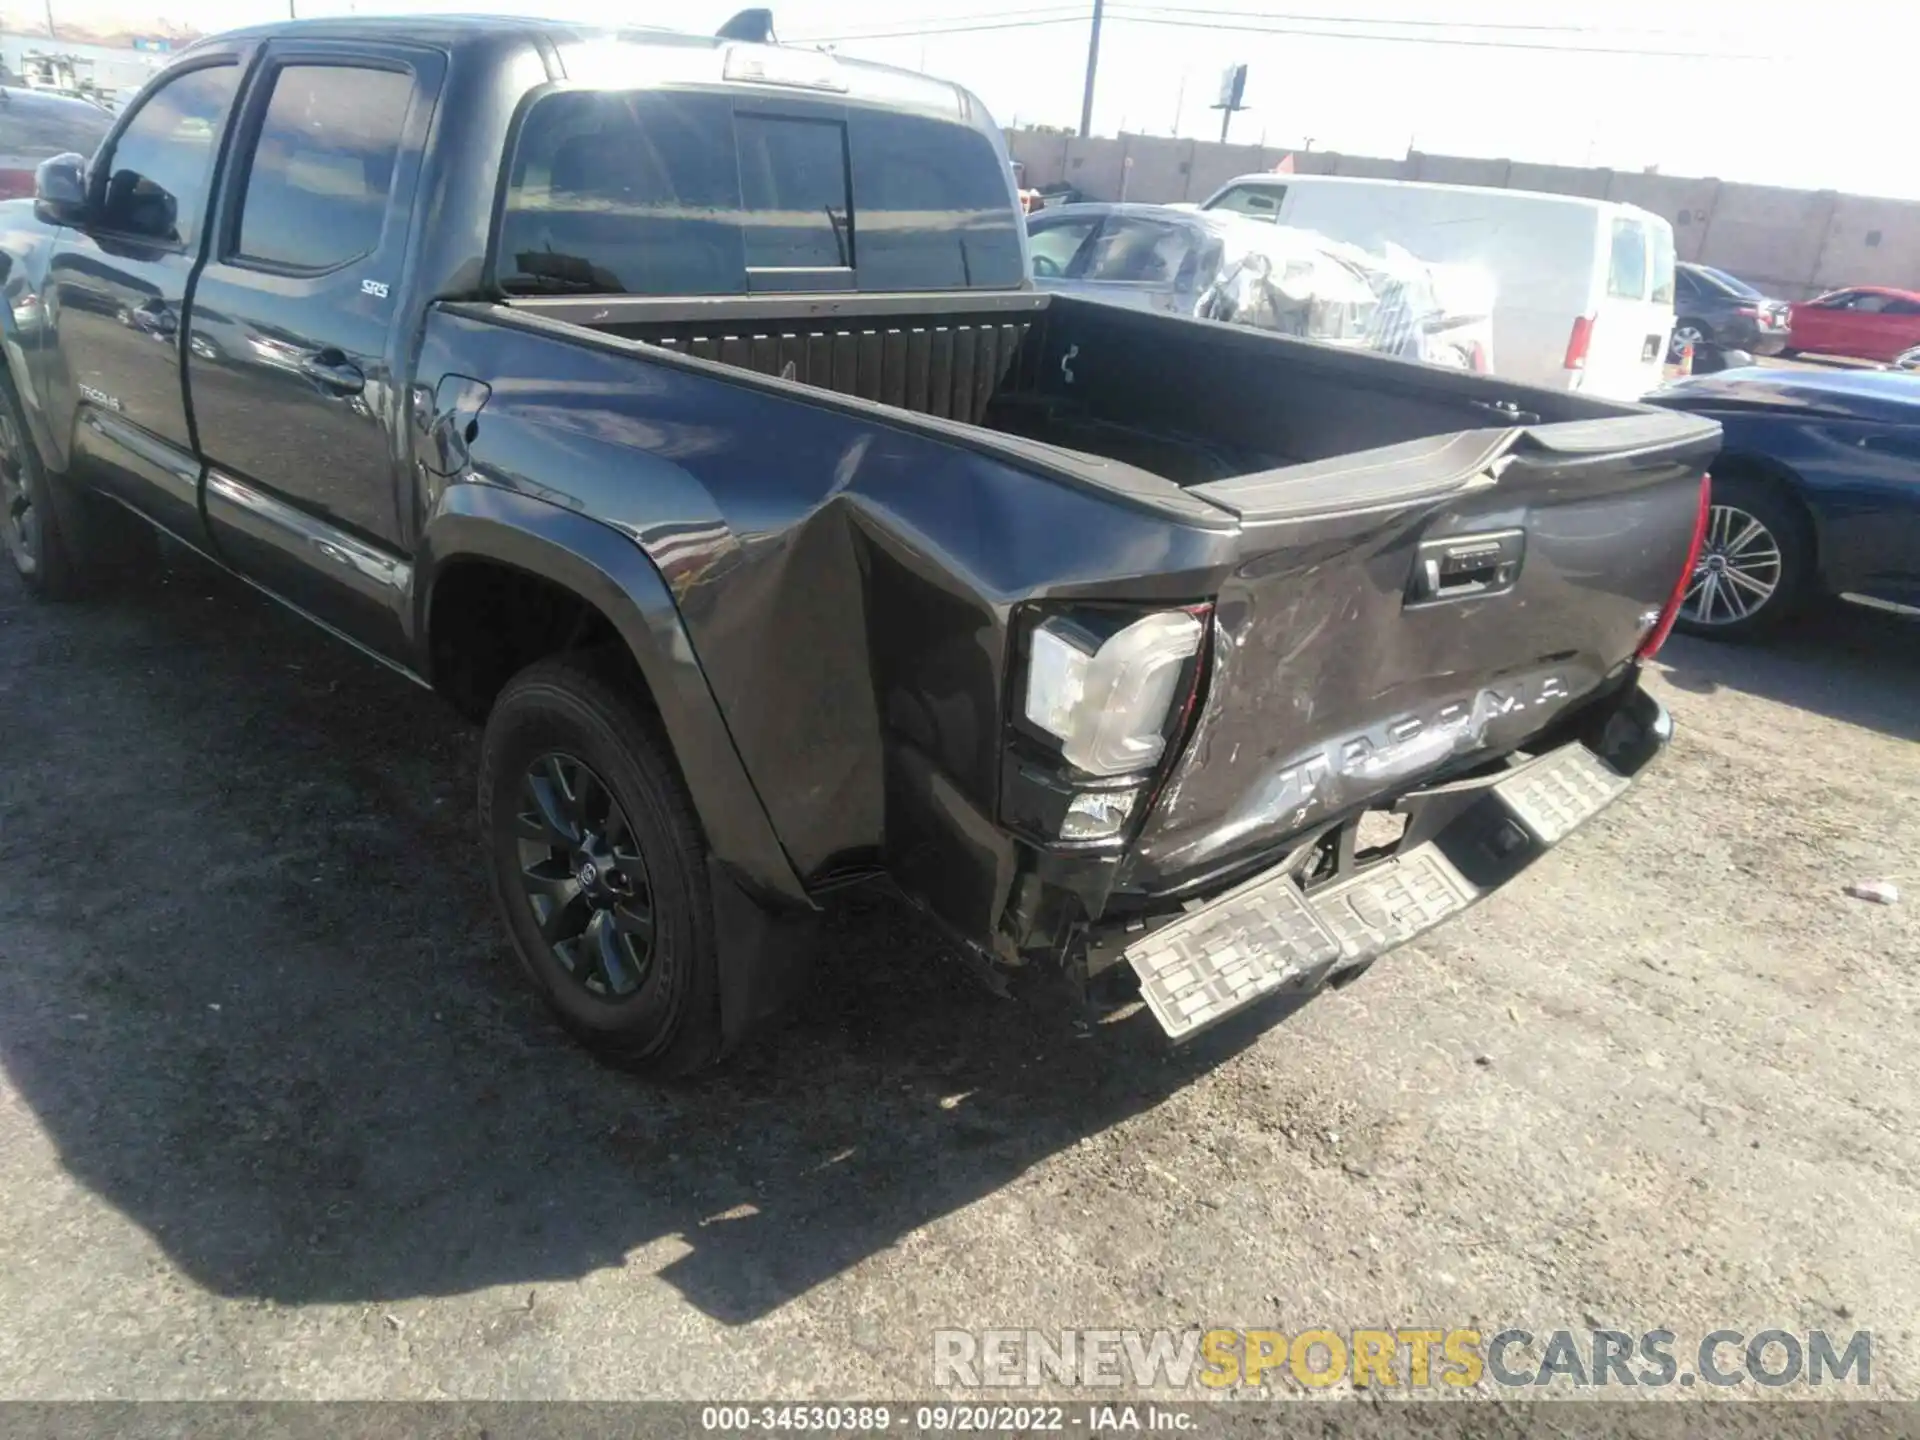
<point>1463,567</point>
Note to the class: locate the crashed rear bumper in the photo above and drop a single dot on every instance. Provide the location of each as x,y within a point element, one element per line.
<point>1464,840</point>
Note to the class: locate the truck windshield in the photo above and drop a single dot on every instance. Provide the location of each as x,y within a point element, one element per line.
<point>663,192</point>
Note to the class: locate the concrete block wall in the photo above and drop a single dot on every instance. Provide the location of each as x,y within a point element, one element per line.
<point>1870,242</point>
<point>1766,235</point>
<point>1792,243</point>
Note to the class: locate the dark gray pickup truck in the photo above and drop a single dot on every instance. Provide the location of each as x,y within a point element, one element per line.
<point>681,407</point>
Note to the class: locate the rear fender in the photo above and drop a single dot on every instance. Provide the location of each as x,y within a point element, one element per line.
<point>610,572</point>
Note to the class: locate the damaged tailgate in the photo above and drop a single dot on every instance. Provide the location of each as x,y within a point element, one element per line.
<point>1403,614</point>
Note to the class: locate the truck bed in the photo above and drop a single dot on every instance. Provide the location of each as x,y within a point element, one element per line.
<point>1412,570</point>
<point>1193,402</point>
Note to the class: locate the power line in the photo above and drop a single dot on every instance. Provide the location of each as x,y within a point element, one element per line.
<point>944,30</point>
<point>1284,24</point>
<point>1296,19</point>
<point>1128,14</point>
<point>960,24</point>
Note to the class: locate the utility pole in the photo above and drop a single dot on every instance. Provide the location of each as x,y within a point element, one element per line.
<point>52,34</point>
<point>1093,64</point>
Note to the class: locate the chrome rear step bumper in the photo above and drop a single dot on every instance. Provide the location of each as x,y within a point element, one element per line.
<point>1271,935</point>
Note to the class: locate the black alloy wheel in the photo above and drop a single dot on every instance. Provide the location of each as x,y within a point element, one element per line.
<point>584,878</point>
<point>599,865</point>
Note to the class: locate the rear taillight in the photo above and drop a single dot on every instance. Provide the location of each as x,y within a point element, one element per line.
<point>1477,360</point>
<point>1749,312</point>
<point>1663,627</point>
<point>1578,343</point>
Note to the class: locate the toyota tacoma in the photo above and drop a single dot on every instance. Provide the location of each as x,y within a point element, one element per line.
<point>682,409</point>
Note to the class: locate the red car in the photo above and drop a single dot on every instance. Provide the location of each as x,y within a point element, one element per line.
<point>1868,322</point>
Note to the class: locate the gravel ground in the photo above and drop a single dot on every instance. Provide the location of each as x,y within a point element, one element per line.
<point>278,1120</point>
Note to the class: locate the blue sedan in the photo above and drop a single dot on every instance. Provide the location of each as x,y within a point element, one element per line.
<point>1816,492</point>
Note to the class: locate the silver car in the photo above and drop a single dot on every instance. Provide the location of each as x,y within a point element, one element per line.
<point>1219,266</point>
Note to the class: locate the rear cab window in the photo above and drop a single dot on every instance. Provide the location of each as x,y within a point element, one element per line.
<point>664,192</point>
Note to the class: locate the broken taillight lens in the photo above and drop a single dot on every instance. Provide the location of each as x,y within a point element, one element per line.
<point>1663,627</point>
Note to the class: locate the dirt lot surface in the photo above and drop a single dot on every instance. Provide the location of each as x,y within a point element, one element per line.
<point>278,1119</point>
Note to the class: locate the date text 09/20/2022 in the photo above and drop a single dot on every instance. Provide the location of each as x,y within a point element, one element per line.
<point>959,1418</point>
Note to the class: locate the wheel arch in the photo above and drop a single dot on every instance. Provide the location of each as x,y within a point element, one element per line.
<point>27,356</point>
<point>1783,482</point>
<point>479,532</point>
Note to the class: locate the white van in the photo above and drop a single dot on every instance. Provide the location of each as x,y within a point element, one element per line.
<point>1584,297</point>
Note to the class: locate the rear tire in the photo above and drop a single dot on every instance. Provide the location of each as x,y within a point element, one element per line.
<point>599,866</point>
<point>64,543</point>
<point>1756,566</point>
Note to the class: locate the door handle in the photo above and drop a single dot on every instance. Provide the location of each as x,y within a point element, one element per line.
<point>1463,567</point>
<point>330,369</point>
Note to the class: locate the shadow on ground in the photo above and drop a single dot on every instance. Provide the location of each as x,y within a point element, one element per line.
<point>254,992</point>
<point>1843,661</point>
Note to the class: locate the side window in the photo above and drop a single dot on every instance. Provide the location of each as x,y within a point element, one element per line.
<point>1627,265</point>
<point>1663,271</point>
<point>1054,244</point>
<point>322,167</point>
<point>1139,251</point>
<point>1902,307</point>
<point>1869,304</point>
<point>793,192</point>
<point>158,173</point>
<point>1260,201</point>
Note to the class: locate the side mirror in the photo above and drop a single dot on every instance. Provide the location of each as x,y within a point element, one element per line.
<point>60,190</point>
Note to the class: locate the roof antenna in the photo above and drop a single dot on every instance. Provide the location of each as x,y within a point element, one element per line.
<point>753,26</point>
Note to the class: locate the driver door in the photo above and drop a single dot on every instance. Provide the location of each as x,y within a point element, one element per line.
<point>116,290</point>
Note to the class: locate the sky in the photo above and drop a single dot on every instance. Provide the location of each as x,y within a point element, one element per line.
<point>1807,95</point>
